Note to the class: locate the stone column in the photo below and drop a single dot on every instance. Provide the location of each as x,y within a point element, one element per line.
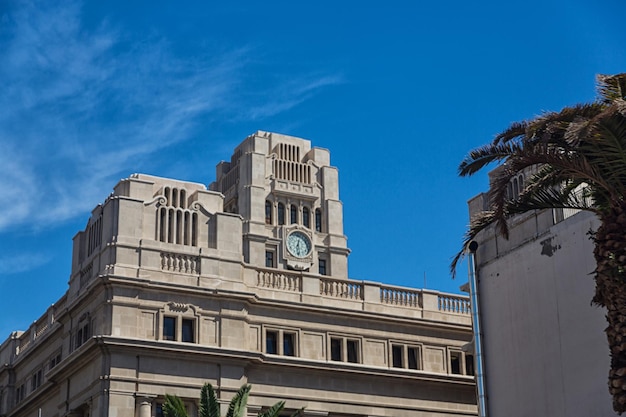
<point>145,406</point>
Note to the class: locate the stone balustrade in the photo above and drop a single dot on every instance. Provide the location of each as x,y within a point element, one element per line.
<point>363,295</point>
<point>24,340</point>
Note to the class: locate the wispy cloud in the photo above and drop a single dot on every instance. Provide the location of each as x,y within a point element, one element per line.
<point>21,263</point>
<point>82,104</point>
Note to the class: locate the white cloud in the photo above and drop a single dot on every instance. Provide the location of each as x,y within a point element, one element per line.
<point>81,105</point>
<point>21,263</point>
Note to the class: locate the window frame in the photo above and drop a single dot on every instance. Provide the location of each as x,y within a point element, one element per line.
<point>184,318</point>
<point>403,348</point>
<point>346,354</point>
<point>463,366</point>
<point>279,341</point>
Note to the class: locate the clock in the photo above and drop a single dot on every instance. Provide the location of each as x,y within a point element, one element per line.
<point>298,244</point>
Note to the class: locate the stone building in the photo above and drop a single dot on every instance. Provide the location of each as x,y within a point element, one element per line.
<point>543,342</point>
<point>174,285</point>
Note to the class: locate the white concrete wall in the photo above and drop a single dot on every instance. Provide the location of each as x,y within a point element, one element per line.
<point>545,349</point>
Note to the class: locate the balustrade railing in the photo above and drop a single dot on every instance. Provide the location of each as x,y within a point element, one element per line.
<point>341,289</point>
<point>365,291</point>
<point>279,280</point>
<point>177,262</point>
<point>452,304</point>
<point>400,296</point>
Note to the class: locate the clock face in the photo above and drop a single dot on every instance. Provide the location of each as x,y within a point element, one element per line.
<point>298,244</point>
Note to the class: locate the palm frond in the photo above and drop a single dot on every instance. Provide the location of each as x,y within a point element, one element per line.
<point>479,222</point>
<point>237,406</point>
<point>611,87</point>
<point>273,411</point>
<point>174,407</point>
<point>515,131</point>
<point>484,155</point>
<point>209,405</point>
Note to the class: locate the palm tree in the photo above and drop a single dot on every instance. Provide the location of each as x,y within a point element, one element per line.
<point>210,406</point>
<point>577,159</point>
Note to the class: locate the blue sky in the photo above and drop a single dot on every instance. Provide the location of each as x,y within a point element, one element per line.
<point>399,91</point>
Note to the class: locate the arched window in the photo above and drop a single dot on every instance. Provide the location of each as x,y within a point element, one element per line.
<point>318,220</point>
<point>268,212</point>
<point>293,214</point>
<point>306,221</point>
<point>281,213</point>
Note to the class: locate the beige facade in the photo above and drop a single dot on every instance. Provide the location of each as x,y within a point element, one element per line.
<point>174,285</point>
<point>543,342</point>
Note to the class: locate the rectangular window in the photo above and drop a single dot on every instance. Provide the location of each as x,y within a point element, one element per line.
<point>336,349</point>
<point>36,380</point>
<point>397,353</point>
<point>455,363</point>
<point>271,342</point>
<point>269,259</point>
<point>289,344</point>
<point>469,364</point>
<point>353,351</point>
<point>414,357</point>
<point>322,266</point>
<point>169,328</point>
<point>20,393</point>
<point>188,330</point>
<point>55,360</point>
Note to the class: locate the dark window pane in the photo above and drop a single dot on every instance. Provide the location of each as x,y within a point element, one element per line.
<point>322,266</point>
<point>455,362</point>
<point>353,351</point>
<point>188,330</point>
<point>271,342</point>
<point>335,349</point>
<point>318,220</point>
<point>396,352</point>
<point>289,344</point>
<point>413,358</point>
<point>469,365</point>
<point>169,328</point>
<point>281,213</point>
<point>269,259</point>
<point>268,212</point>
<point>293,213</point>
<point>306,221</point>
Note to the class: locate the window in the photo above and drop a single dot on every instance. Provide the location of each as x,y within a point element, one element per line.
<point>169,328</point>
<point>336,349</point>
<point>179,328</point>
<point>55,360</point>
<point>188,330</point>
<point>353,350</point>
<point>407,357</point>
<point>469,364</point>
<point>455,363</point>
<point>83,333</point>
<point>268,212</point>
<point>36,380</point>
<point>269,259</point>
<point>281,213</point>
<point>306,217</point>
<point>321,263</point>
<point>345,350</point>
<point>20,393</point>
<point>414,357</point>
<point>293,214</point>
<point>281,342</point>
<point>318,220</point>
<point>397,353</point>
<point>289,342</point>
<point>271,342</point>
